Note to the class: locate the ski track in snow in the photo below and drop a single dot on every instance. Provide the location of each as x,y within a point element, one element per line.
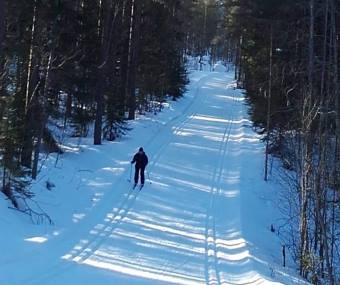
<point>87,248</point>
<point>184,228</point>
<point>212,271</point>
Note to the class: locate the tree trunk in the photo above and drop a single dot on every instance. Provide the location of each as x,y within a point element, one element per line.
<point>133,51</point>
<point>97,136</point>
<point>269,103</point>
<point>102,31</point>
<point>32,84</point>
<point>27,148</point>
<point>44,117</point>
<point>107,32</point>
<point>2,26</point>
<point>335,69</point>
<point>30,60</point>
<point>307,148</point>
<point>124,60</point>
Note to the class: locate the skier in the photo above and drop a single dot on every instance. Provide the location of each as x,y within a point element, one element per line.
<point>141,160</point>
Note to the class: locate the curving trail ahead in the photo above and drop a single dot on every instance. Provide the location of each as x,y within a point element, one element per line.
<point>190,225</point>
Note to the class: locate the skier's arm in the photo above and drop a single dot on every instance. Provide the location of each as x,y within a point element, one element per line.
<point>134,159</point>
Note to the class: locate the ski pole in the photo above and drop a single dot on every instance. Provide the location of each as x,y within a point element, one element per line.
<point>130,173</point>
<point>147,172</point>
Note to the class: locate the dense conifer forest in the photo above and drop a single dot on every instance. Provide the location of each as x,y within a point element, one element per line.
<point>78,64</point>
<point>287,59</point>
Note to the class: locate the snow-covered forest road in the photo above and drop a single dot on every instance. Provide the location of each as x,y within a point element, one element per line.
<point>198,220</point>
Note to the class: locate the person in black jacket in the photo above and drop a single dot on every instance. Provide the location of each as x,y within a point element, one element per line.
<point>141,160</point>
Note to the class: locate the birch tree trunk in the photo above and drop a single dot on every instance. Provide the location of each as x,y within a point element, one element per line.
<point>32,86</point>
<point>306,154</point>
<point>30,59</point>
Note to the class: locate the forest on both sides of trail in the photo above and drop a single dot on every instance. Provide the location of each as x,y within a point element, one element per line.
<point>79,68</point>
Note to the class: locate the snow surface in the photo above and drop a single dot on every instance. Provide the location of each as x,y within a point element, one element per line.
<point>203,216</point>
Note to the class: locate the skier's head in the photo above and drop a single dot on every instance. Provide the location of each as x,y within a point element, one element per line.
<point>141,149</point>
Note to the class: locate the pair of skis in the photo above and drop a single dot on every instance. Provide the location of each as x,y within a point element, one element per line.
<point>139,186</point>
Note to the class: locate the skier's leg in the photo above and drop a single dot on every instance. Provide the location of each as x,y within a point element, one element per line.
<point>142,177</point>
<point>136,174</point>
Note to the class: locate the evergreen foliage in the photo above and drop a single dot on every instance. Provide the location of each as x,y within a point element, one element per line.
<point>89,63</point>
<point>287,55</point>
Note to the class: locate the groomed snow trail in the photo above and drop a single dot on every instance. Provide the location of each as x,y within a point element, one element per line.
<point>184,228</point>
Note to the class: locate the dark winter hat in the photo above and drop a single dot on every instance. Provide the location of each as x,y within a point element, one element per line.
<point>141,149</point>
